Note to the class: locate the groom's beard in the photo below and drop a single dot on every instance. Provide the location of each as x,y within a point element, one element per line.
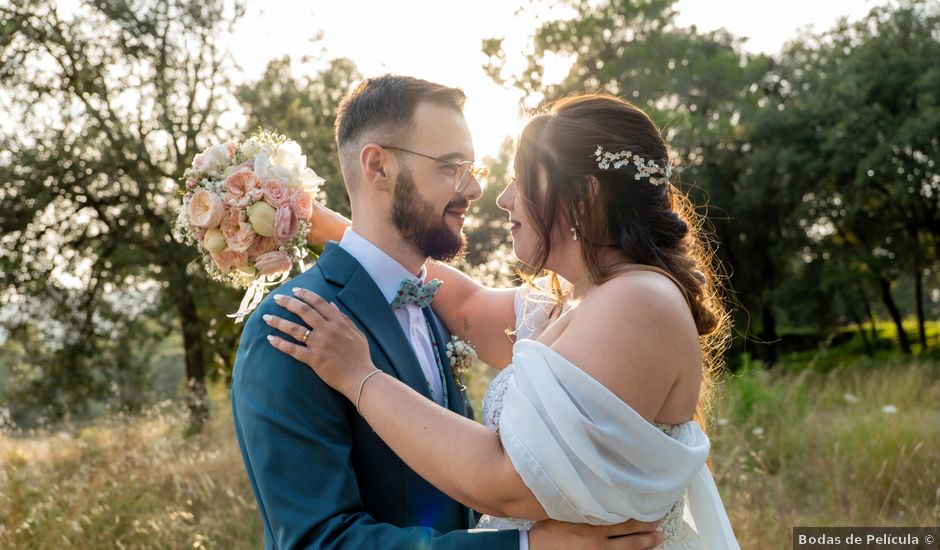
<point>418,224</point>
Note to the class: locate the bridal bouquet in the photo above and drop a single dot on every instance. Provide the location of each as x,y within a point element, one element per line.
<point>245,206</point>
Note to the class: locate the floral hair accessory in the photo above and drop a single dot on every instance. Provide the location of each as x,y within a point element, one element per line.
<point>645,168</point>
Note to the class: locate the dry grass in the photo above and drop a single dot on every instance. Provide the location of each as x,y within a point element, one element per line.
<point>791,450</point>
<point>854,447</point>
<point>128,483</point>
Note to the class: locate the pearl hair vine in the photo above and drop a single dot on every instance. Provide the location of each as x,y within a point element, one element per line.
<point>645,168</point>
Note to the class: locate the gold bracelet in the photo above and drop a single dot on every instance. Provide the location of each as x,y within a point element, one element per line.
<point>363,383</point>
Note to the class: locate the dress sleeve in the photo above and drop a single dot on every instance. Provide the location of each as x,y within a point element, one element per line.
<point>584,453</point>
<point>533,306</point>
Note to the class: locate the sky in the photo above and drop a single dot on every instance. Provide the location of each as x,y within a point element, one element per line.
<point>440,40</point>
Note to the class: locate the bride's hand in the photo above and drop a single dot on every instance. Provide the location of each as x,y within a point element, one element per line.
<point>334,348</point>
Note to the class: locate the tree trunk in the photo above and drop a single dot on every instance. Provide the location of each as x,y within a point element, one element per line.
<point>193,343</point>
<point>869,314</point>
<point>919,300</point>
<point>769,334</point>
<point>895,314</point>
<point>860,324</point>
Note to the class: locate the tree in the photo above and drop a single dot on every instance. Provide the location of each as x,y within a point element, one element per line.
<point>109,104</point>
<point>696,86</point>
<point>869,91</point>
<point>818,159</point>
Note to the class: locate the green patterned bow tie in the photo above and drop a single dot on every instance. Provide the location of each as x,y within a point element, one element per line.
<point>416,293</point>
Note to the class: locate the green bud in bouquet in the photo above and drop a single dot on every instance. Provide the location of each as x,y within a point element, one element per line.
<point>214,241</point>
<point>261,217</point>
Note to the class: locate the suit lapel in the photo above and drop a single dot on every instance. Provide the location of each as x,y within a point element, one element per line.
<point>371,312</point>
<point>454,397</point>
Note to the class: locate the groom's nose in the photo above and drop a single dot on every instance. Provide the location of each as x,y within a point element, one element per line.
<point>473,191</point>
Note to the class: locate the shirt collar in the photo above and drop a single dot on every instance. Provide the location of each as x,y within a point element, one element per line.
<point>384,270</point>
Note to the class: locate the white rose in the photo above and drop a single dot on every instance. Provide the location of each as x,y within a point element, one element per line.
<point>262,165</point>
<point>289,156</point>
<point>310,181</point>
<point>282,175</point>
<point>250,148</point>
<point>213,158</point>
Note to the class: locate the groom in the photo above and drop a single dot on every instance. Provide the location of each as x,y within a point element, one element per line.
<point>321,476</point>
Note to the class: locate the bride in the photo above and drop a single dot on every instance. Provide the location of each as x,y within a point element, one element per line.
<point>597,417</point>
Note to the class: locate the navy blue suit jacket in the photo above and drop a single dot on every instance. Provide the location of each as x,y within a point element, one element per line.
<point>321,476</point>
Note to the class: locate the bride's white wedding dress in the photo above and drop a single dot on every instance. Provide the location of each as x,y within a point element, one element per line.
<point>588,457</point>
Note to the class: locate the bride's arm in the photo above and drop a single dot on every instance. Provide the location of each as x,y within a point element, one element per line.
<point>455,454</point>
<point>478,314</point>
<point>458,456</point>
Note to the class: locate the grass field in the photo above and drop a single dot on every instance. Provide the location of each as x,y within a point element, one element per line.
<point>857,445</point>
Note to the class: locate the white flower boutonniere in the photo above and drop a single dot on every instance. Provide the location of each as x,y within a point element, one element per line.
<point>461,355</point>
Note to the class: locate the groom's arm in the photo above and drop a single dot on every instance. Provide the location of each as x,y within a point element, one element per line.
<point>296,438</point>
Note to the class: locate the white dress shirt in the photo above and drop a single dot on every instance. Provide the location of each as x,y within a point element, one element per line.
<point>388,275</point>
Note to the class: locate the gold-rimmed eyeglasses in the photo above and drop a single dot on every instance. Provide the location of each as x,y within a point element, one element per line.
<point>464,171</point>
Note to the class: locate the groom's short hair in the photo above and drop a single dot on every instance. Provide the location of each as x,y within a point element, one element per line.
<point>382,108</point>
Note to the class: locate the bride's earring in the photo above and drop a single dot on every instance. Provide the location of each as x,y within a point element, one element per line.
<point>574,230</point>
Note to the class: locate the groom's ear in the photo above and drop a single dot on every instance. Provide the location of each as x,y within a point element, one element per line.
<point>378,167</point>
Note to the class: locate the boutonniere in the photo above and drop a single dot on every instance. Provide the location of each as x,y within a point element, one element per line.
<point>461,355</point>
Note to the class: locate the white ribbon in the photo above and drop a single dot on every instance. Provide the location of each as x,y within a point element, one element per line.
<point>255,293</point>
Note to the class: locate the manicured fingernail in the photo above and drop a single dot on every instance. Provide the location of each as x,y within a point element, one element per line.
<point>334,306</point>
<point>270,337</point>
<point>267,318</point>
<point>296,291</point>
<point>278,298</point>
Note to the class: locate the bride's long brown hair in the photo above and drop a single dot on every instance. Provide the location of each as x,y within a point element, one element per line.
<point>655,225</point>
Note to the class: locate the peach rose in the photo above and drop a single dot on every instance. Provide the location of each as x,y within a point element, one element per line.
<point>262,216</point>
<point>301,202</point>
<point>205,209</point>
<point>262,245</point>
<point>275,193</point>
<point>238,234</point>
<point>272,263</point>
<point>241,240</point>
<point>228,258</point>
<point>231,219</point>
<point>241,183</point>
<point>285,224</point>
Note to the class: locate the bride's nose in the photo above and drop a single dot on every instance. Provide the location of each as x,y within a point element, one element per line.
<point>507,198</point>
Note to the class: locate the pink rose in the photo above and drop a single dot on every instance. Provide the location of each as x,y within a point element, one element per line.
<point>272,263</point>
<point>285,224</point>
<point>241,183</point>
<point>275,193</point>
<point>238,234</point>
<point>301,202</point>
<point>227,259</point>
<point>205,209</point>
<point>262,245</point>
